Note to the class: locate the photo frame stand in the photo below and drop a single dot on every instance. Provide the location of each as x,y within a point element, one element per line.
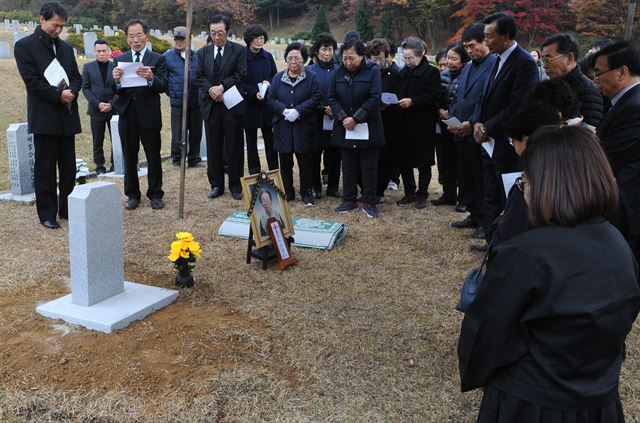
<point>266,254</point>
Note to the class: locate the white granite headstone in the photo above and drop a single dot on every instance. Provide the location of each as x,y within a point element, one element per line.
<point>5,52</point>
<point>89,38</point>
<point>203,143</point>
<point>149,46</point>
<point>15,24</point>
<point>17,36</point>
<point>22,157</point>
<point>78,28</point>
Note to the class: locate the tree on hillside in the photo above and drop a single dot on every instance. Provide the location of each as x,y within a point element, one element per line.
<point>321,24</point>
<point>277,8</point>
<point>363,21</point>
<point>386,26</point>
<point>601,18</point>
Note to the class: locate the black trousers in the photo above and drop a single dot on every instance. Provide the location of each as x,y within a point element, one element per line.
<point>194,134</point>
<point>53,151</point>
<point>132,134</point>
<point>446,153</point>
<point>305,167</point>
<point>494,196</point>
<point>253,160</point>
<point>471,179</point>
<point>331,163</point>
<point>98,124</point>
<point>360,163</point>
<point>409,182</point>
<point>224,133</point>
<point>386,169</point>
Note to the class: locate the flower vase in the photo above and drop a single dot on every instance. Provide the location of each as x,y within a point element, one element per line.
<point>184,278</point>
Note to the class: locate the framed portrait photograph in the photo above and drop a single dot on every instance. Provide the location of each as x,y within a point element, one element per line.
<point>268,203</point>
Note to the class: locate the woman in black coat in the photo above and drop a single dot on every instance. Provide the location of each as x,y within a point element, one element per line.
<point>419,92</point>
<point>354,97</point>
<point>293,97</point>
<point>260,70</point>
<point>545,335</point>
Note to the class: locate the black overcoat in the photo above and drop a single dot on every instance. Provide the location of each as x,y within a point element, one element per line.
<point>260,67</point>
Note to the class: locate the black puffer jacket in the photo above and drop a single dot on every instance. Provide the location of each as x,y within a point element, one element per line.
<point>588,96</point>
<point>449,83</point>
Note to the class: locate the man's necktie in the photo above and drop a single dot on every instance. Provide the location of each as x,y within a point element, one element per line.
<point>137,56</point>
<point>218,60</point>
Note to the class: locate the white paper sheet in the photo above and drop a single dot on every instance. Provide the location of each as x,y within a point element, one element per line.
<point>452,123</point>
<point>262,88</point>
<point>359,132</point>
<point>56,73</point>
<point>489,145</point>
<point>327,123</point>
<point>389,98</point>
<point>232,97</point>
<point>508,179</point>
<point>129,76</point>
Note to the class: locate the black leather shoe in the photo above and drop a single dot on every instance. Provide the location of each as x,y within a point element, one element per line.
<point>237,195</point>
<point>101,170</point>
<point>466,223</point>
<point>215,192</point>
<point>132,204</point>
<point>407,199</point>
<point>480,248</point>
<point>461,208</point>
<point>50,224</point>
<point>478,233</point>
<point>157,203</point>
<point>443,201</point>
<point>196,163</point>
<point>334,193</point>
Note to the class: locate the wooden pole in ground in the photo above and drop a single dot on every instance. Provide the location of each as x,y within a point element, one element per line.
<point>185,110</point>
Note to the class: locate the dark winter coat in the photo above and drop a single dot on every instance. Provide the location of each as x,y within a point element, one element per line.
<point>590,99</point>
<point>175,67</point>
<point>416,124</point>
<point>303,95</point>
<point>357,95</point>
<point>45,114</point>
<point>324,71</point>
<point>260,67</point>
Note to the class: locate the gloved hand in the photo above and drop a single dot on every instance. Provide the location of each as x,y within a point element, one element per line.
<point>293,115</point>
<point>286,112</point>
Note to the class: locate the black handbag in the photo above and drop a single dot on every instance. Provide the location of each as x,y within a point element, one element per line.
<point>471,284</point>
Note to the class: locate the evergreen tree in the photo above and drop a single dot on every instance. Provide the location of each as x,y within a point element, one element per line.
<point>386,26</point>
<point>321,24</point>
<point>363,21</point>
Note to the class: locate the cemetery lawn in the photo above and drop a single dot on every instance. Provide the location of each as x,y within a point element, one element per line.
<point>366,332</point>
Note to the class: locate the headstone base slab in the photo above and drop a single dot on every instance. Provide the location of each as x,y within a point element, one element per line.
<point>142,172</point>
<point>135,303</point>
<point>27,198</point>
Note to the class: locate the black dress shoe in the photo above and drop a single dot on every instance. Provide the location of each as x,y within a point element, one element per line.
<point>132,203</point>
<point>50,224</point>
<point>317,193</point>
<point>237,195</point>
<point>101,170</point>
<point>466,223</point>
<point>196,163</point>
<point>333,193</point>
<point>461,208</point>
<point>215,192</point>
<point>157,203</point>
<point>480,248</point>
<point>443,201</point>
<point>479,233</point>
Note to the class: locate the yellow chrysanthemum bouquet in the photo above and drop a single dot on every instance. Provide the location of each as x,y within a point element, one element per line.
<point>184,252</point>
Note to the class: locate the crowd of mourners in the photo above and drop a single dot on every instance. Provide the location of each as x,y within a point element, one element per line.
<point>541,148</point>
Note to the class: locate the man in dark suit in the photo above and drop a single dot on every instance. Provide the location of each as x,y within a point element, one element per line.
<point>512,75</point>
<point>617,74</point>
<point>470,90</point>
<point>96,87</point>
<point>52,110</point>
<point>140,116</point>
<point>222,65</point>
<point>560,59</point>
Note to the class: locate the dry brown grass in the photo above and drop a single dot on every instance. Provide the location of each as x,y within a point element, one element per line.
<point>366,332</point>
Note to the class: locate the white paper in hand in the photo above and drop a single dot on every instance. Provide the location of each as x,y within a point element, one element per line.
<point>129,76</point>
<point>55,73</point>
<point>389,98</point>
<point>452,123</point>
<point>508,179</point>
<point>262,88</point>
<point>327,123</point>
<point>232,97</point>
<point>359,132</point>
<point>488,146</point>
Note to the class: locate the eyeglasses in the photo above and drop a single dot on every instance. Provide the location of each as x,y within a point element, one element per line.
<point>220,33</point>
<point>547,60</point>
<point>596,75</point>
<point>293,59</point>
<point>136,36</point>
<point>520,183</point>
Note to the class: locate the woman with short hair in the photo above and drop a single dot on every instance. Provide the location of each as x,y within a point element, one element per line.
<point>545,335</point>
<point>294,97</point>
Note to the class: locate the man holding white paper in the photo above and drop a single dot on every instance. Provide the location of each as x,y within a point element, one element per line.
<point>222,67</point>
<point>140,117</point>
<point>52,110</point>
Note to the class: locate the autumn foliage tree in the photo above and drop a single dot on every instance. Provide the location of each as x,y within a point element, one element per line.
<point>601,18</point>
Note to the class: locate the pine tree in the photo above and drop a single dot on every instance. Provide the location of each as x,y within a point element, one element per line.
<point>321,24</point>
<point>386,26</point>
<point>363,21</point>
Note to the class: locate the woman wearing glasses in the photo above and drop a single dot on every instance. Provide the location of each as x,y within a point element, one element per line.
<point>294,97</point>
<point>545,335</point>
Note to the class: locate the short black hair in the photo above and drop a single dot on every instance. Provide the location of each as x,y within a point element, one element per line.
<point>392,46</point>
<point>132,22</point>
<point>473,32</point>
<point>351,35</point>
<point>324,39</point>
<point>457,48</point>
<point>96,42</point>
<point>505,24</point>
<point>357,45</point>
<point>566,44</point>
<point>440,54</point>
<point>558,94</point>
<point>531,117</point>
<point>254,31</point>
<point>208,40</point>
<point>600,44</point>
<point>52,8</point>
<point>377,46</point>
<point>619,54</point>
<point>263,191</point>
<point>220,18</point>
<point>297,46</point>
